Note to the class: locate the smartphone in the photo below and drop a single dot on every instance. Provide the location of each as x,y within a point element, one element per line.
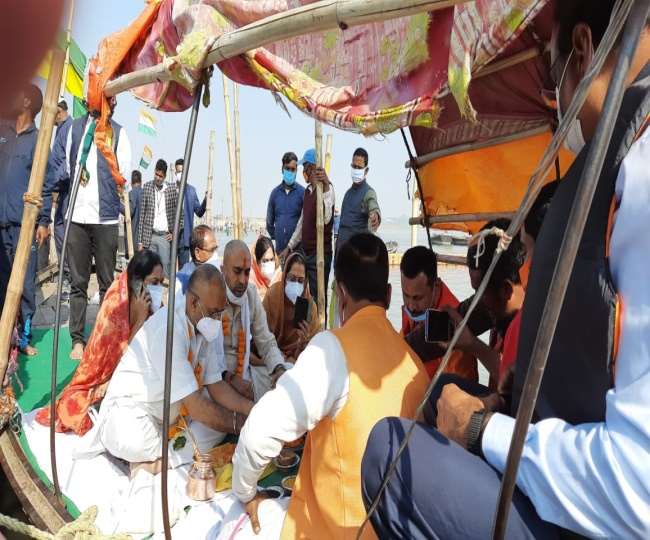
<point>301,312</point>
<point>438,327</point>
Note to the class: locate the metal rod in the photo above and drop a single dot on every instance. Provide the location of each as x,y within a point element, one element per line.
<point>420,161</point>
<point>57,328</point>
<point>417,179</point>
<point>568,250</point>
<point>461,218</point>
<point>189,143</point>
<point>534,187</point>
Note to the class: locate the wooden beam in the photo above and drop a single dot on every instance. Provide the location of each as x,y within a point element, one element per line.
<point>462,218</point>
<point>421,161</point>
<point>515,59</point>
<point>316,17</point>
<point>320,230</point>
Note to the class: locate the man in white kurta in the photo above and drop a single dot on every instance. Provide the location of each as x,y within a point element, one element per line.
<point>130,423</point>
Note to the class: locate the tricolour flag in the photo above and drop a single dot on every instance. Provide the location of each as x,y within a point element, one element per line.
<point>147,123</point>
<point>147,154</point>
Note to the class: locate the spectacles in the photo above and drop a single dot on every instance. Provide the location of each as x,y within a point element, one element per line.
<point>215,314</point>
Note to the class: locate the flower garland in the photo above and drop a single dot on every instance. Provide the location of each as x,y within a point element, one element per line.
<point>241,343</point>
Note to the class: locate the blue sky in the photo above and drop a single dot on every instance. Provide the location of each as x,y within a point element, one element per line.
<point>266,132</point>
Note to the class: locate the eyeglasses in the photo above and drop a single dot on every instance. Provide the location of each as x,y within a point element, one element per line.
<point>215,314</point>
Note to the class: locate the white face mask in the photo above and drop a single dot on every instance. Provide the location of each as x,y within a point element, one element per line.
<point>233,299</point>
<point>156,294</point>
<point>575,140</point>
<point>293,290</point>
<point>358,175</point>
<point>268,269</point>
<point>209,328</point>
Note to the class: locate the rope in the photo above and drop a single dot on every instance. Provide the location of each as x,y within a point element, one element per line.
<point>479,239</point>
<point>33,198</point>
<point>82,528</point>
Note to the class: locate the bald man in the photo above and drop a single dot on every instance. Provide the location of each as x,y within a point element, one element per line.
<point>245,319</point>
<point>130,418</point>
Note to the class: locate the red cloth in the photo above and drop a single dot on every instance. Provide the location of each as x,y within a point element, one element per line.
<point>510,344</point>
<point>107,343</point>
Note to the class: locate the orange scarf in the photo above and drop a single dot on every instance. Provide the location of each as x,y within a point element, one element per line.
<point>107,343</point>
<point>241,344</point>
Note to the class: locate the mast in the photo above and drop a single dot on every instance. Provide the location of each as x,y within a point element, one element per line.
<point>320,227</point>
<point>231,160</point>
<point>209,220</point>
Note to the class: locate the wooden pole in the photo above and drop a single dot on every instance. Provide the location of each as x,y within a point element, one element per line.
<point>308,19</point>
<point>461,218</point>
<point>127,219</point>
<point>328,152</point>
<point>31,209</point>
<point>231,160</point>
<point>208,211</point>
<point>240,211</point>
<point>68,37</point>
<point>320,230</point>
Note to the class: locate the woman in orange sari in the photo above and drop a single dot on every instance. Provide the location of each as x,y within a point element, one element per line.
<point>265,270</point>
<point>128,303</point>
<point>279,305</point>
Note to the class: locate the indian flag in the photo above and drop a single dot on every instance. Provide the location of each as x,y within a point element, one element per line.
<point>147,123</point>
<point>147,154</point>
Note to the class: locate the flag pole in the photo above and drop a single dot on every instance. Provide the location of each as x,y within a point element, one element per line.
<point>237,160</point>
<point>68,38</point>
<point>208,211</point>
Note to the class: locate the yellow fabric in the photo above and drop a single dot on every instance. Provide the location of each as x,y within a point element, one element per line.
<point>223,476</point>
<point>488,180</point>
<point>73,83</point>
<point>386,379</point>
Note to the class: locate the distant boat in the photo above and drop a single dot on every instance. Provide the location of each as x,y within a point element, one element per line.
<point>392,246</point>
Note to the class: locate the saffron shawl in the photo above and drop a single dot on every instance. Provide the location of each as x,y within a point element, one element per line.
<point>107,343</point>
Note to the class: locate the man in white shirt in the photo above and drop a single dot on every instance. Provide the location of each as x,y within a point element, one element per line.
<point>157,215</point>
<point>245,320</point>
<point>130,418</point>
<point>305,233</point>
<point>585,465</point>
<point>95,216</point>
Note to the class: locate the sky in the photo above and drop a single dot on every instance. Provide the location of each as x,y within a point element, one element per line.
<point>267,132</point>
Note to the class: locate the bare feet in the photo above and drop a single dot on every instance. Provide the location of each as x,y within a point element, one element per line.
<point>77,351</point>
<point>152,467</point>
<point>29,351</point>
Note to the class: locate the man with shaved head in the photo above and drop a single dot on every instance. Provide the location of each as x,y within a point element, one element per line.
<point>245,320</point>
<point>130,417</point>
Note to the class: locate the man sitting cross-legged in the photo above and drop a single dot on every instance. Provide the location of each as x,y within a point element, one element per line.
<point>130,418</point>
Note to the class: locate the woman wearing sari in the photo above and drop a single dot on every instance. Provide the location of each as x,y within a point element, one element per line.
<point>128,303</point>
<point>279,305</point>
<point>265,270</point>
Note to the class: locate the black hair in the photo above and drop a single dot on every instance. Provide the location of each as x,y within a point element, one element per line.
<point>361,152</point>
<point>288,157</point>
<point>362,267</point>
<point>161,165</point>
<point>261,246</point>
<point>179,161</point>
<point>63,104</point>
<point>420,260</point>
<point>511,260</point>
<point>295,258</point>
<point>197,239</point>
<point>140,266</point>
<point>35,96</point>
<point>136,177</point>
<point>570,13</point>
<point>535,217</point>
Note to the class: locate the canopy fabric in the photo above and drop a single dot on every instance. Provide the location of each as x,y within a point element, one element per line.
<point>370,78</point>
<point>489,180</point>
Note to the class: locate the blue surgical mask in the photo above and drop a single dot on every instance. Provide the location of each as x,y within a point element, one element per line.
<point>288,177</point>
<point>415,318</point>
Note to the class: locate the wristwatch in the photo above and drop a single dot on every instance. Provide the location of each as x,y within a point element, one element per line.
<point>475,429</point>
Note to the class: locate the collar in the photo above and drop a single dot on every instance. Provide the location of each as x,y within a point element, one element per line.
<point>359,185</point>
<point>29,129</point>
<point>285,186</point>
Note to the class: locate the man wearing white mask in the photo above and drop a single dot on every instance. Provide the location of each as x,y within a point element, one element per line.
<point>129,425</point>
<point>244,319</point>
<point>191,207</point>
<point>360,210</point>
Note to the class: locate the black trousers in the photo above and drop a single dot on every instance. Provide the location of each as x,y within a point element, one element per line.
<point>85,243</point>
<point>312,274</point>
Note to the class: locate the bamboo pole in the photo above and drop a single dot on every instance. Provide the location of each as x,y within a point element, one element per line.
<point>68,36</point>
<point>320,230</point>
<point>315,17</point>
<point>328,152</point>
<point>240,211</point>
<point>231,160</point>
<point>461,218</point>
<point>31,209</point>
<point>208,211</point>
<point>127,219</point>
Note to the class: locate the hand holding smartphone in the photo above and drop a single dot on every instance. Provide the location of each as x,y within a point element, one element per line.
<point>438,326</point>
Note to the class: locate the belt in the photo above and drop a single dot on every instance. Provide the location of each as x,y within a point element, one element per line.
<point>160,233</point>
